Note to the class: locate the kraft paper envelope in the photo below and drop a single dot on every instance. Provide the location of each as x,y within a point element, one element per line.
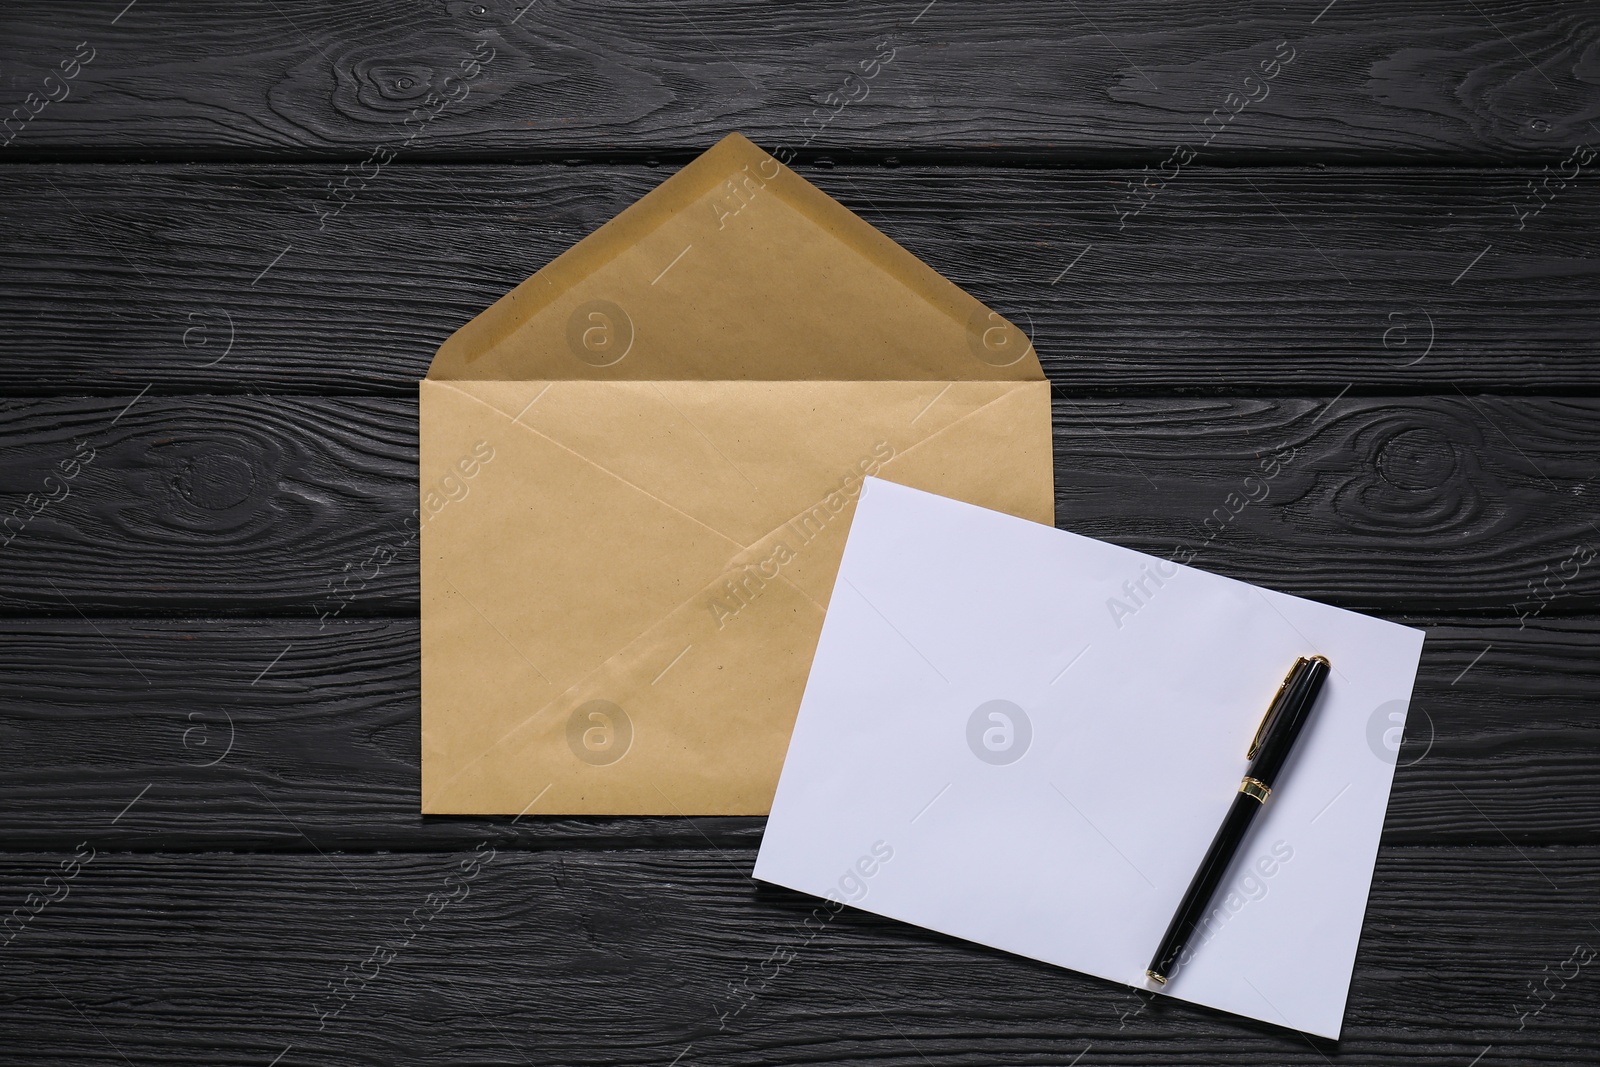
<point>637,472</point>
<point>1027,738</point>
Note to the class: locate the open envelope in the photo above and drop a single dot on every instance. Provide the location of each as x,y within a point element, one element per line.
<point>637,472</point>
<point>1027,738</point>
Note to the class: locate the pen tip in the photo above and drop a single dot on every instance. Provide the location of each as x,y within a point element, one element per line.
<point>1158,979</point>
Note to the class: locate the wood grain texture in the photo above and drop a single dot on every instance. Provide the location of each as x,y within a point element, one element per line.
<point>269,734</point>
<point>1032,79</point>
<point>218,278</point>
<point>230,504</point>
<point>628,958</point>
<point>248,734</point>
<point>242,503</point>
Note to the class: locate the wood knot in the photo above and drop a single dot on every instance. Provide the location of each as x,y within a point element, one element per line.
<point>1417,459</point>
<point>387,86</point>
<point>1422,479</point>
<point>216,481</point>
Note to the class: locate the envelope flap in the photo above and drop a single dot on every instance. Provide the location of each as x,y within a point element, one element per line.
<point>737,268</point>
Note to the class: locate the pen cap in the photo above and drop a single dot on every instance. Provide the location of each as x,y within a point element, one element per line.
<point>1287,717</point>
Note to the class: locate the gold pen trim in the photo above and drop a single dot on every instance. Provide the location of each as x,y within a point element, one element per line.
<point>1256,789</point>
<point>1255,742</point>
<point>1154,977</point>
<point>1266,717</point>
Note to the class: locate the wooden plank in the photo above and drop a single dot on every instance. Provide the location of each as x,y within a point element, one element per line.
<point>237,504</point>
<point>628,958</point>
<point>218,278</point>
<point>233,502</point>
<point>280,732</point>
<point>267,734</point>
<point>1424,80</point>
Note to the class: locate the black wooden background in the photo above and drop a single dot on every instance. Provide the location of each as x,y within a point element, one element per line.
<point>1382,256</point>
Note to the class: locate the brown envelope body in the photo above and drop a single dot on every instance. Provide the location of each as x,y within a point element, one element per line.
<point>638,469</point>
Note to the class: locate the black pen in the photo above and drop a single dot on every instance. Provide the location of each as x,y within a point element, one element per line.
<point>1285,717</point>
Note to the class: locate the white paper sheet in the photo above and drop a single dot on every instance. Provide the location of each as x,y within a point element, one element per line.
<point>1068,832</point>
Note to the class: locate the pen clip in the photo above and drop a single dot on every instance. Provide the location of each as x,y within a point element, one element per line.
<point>1266,720</point>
